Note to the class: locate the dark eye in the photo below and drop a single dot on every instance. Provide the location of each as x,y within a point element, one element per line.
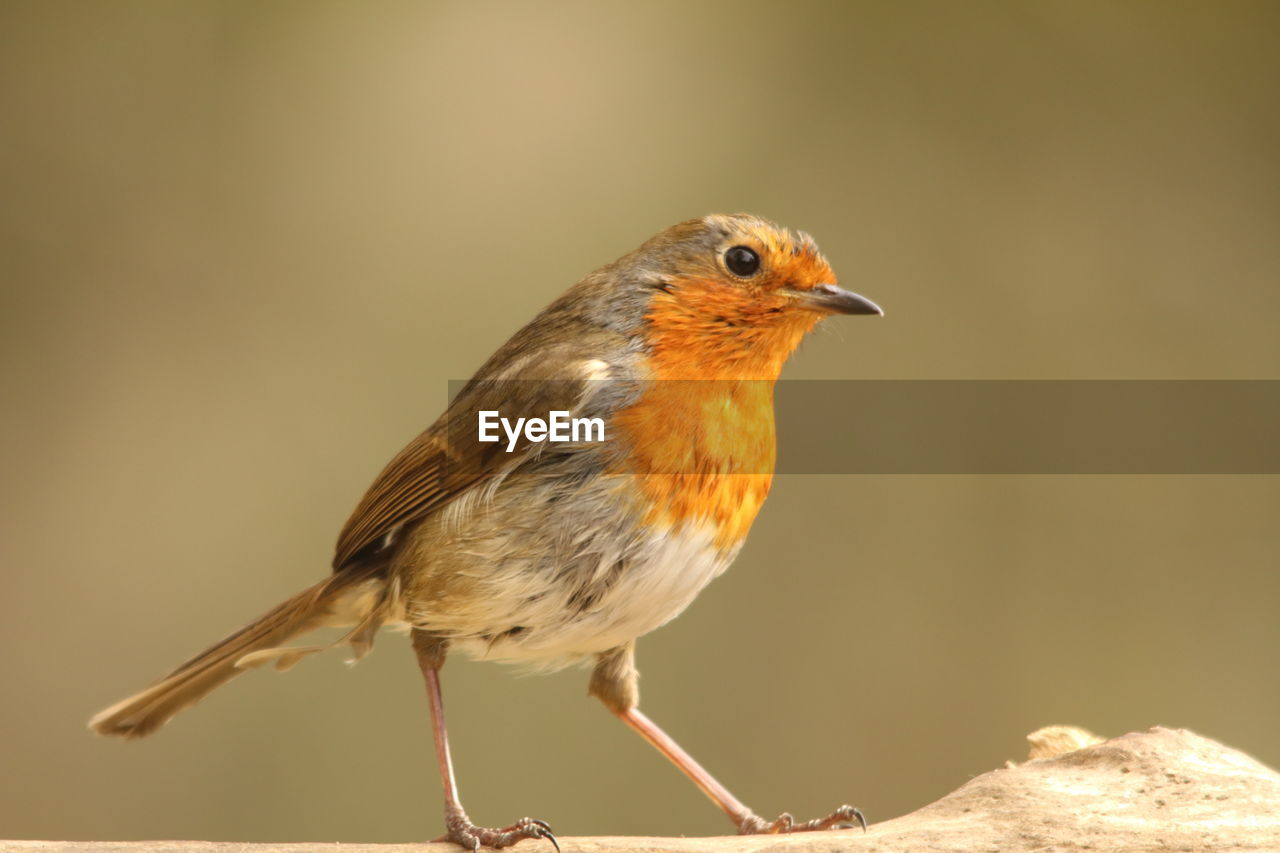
<point>742,261</point>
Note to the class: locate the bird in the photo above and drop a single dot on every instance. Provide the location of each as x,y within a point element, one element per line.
<point>550,553</point>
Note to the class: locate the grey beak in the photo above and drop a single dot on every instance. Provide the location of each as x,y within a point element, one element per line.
<point>828,297</point>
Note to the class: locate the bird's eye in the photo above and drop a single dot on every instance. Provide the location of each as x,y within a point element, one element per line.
<point>742,261</point>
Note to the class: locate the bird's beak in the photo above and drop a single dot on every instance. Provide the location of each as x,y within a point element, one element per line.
<point>828,297</point>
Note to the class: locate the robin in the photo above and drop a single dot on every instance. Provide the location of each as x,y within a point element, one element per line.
<point>527,549</point>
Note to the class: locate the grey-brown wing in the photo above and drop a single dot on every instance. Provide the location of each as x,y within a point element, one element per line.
<point>448,459</point>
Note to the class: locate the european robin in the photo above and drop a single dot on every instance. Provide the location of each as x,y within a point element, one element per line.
<point>527,549</point>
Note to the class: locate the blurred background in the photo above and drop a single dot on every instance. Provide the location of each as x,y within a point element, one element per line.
<point>246,245</point>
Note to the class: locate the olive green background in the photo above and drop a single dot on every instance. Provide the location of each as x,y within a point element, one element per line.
<point>245,246</point>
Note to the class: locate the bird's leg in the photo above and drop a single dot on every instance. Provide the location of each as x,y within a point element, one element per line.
<point>614,682</point>
<point>747,821</point>
<point>431,652</point>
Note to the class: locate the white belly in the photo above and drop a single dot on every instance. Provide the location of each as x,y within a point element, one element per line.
<point>656,587</point>
<point>609,597</point>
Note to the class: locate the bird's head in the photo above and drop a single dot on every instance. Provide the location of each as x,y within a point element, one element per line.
<point>733,295</point>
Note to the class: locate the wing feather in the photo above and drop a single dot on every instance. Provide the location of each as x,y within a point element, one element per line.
<point>447,460</point>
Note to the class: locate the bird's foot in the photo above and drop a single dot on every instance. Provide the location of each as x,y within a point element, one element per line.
<point>465,833</point>
<point>845,817</point>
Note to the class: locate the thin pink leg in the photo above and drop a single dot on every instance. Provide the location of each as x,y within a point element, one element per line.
<point>452,803</point>
<point>747,821</point>
<point>719,794</point>
<point>461,830</point>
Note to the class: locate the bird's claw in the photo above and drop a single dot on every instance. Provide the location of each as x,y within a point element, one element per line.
<point>471,837</point>
<point>845,817</point>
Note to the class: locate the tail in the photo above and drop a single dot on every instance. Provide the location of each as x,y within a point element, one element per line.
<point>351,597</point>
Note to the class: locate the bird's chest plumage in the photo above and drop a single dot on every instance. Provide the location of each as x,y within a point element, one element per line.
<point>549,567</point>
<point>703,452</point>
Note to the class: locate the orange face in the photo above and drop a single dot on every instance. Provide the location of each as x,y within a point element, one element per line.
<point>736,305</point>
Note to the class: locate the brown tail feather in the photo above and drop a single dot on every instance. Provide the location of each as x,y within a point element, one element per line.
<point>345,598</point>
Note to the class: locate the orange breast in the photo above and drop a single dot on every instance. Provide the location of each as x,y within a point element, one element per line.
<point>701,436</point>
<point>703,452</point>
